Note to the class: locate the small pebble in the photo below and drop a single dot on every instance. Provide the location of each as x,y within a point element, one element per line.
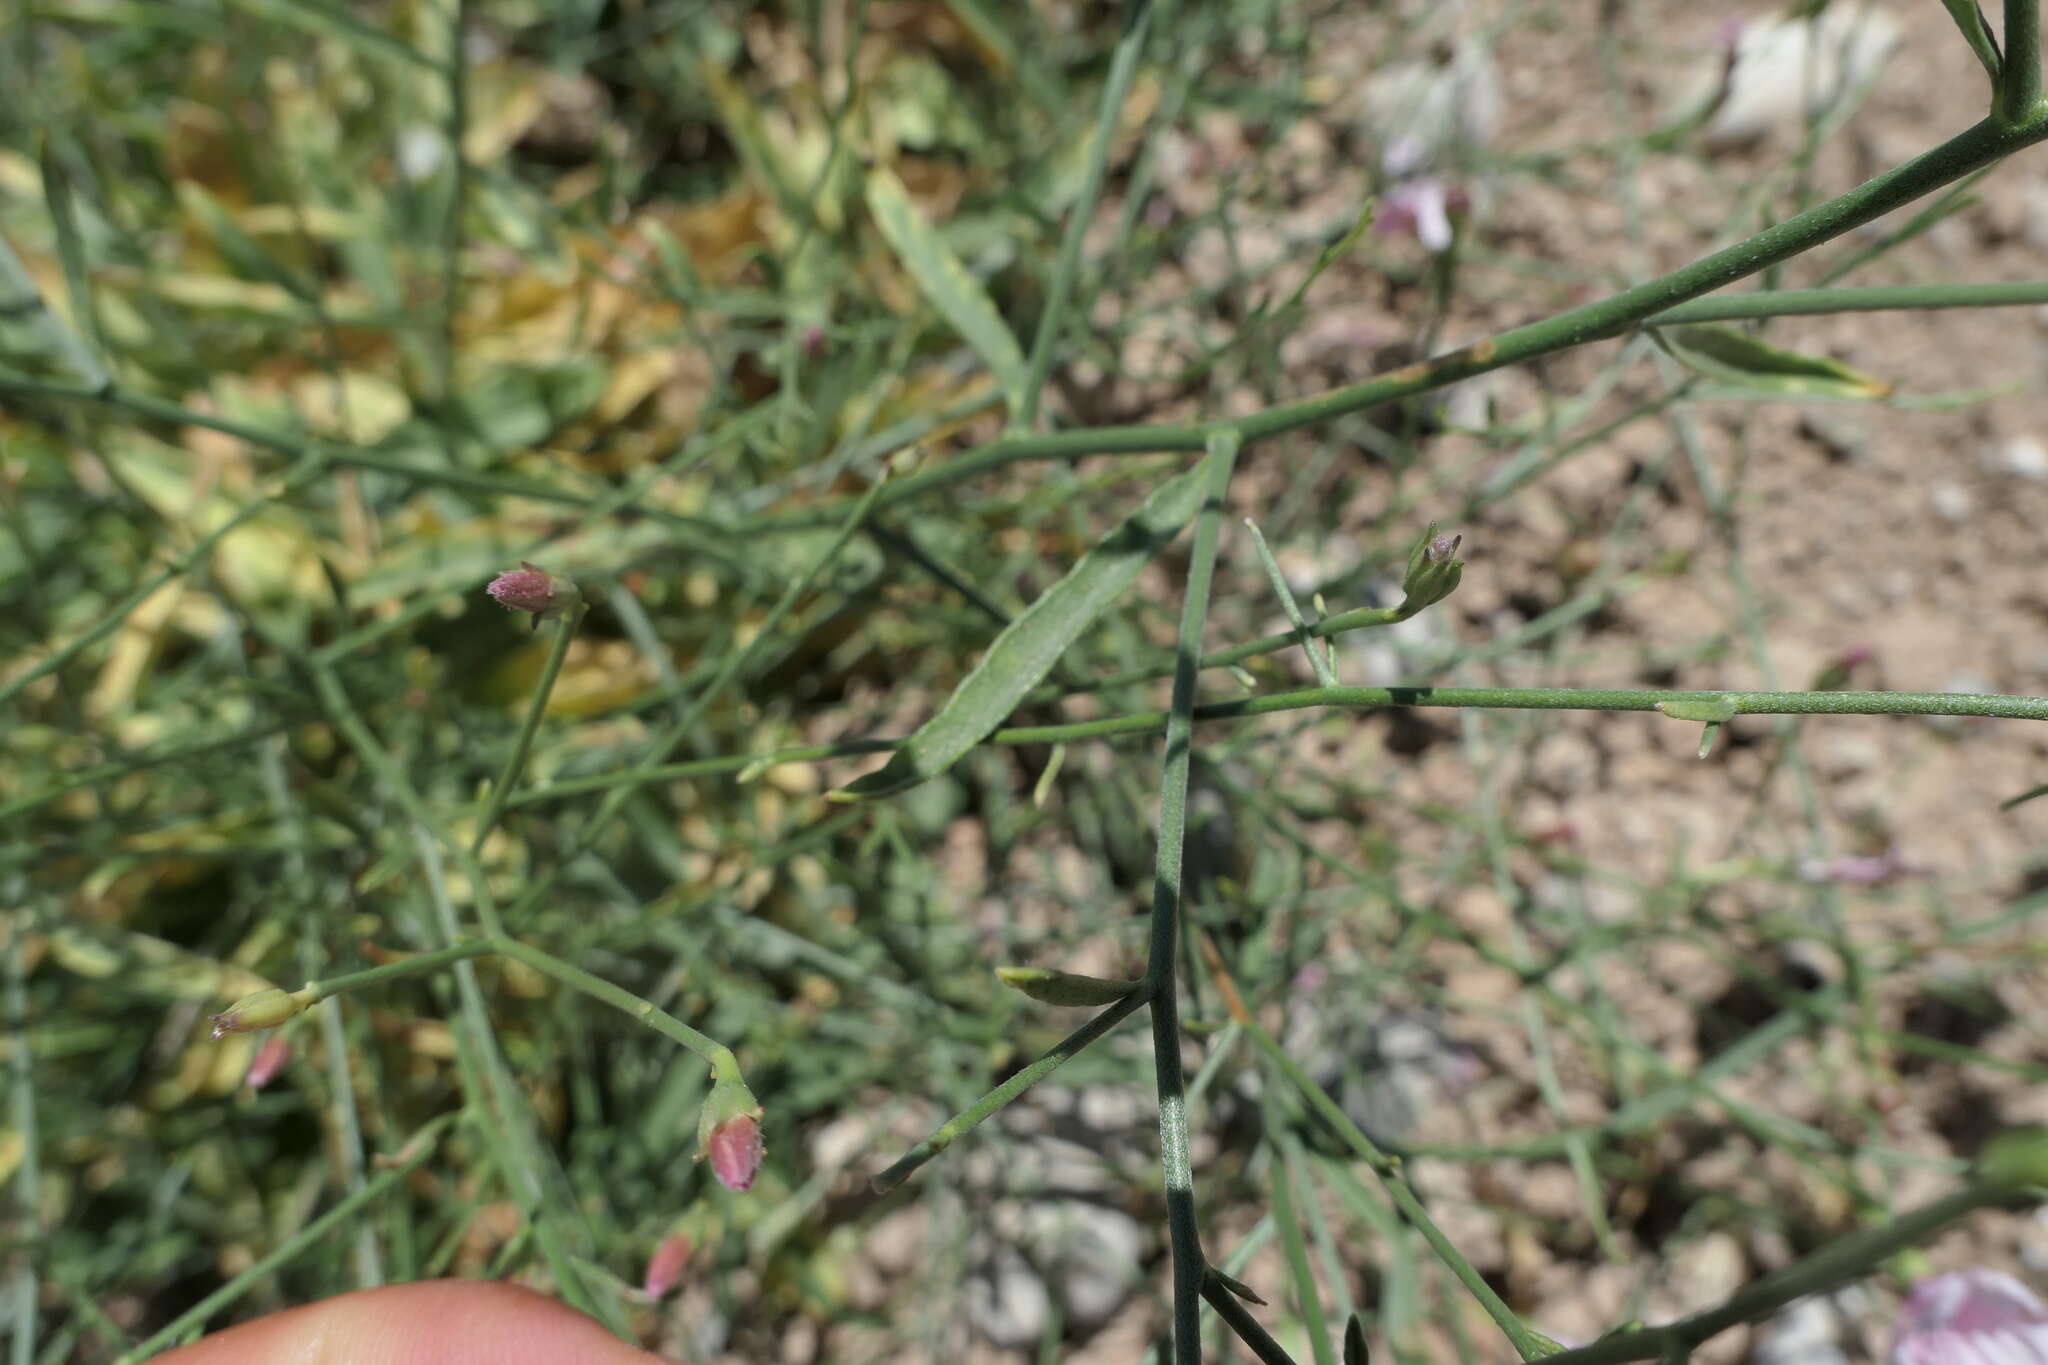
<point>1952,501</point>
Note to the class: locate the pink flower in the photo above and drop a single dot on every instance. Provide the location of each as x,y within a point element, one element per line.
<point>1971,1317</point>
<point>665,1266</point>
<point>529,588</point>
<point>268,1061</point>
<point>1418,208</point>
<point>735,1150</point>
<point>1853,870</point>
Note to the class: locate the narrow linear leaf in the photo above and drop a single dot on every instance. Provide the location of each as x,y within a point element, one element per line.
<point>1030,645</point>
<point>1050,987</point>
<point>1976,31</point>
<point>327,19</point>
<point>83,347</point>
<point>1237,1286</point>
<point>1708,710</point>
<point>1356,1352</point>
<point>1736,357</point>
<point>2028,795</point>
<point>237,248</point>
<point>957,295</point>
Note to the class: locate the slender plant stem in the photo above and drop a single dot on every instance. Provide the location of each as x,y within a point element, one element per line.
<point>1530,1345</point>
<point>1844,1259</point>
<point>457,132</point>
<point>28,1174</point>
<point>1123,66</point>
<point>1785,303</point>
<point>547,964</point>
<point>1364,698</point>
<point>1318,661</point>
<point>1184,1233</point>
<point>1307,1297</point>
<point>308,467</point>
<point>417,1149</point>
<point>967,1119</point>
<point>2019,77</point>
<point>736,661</point>
<point>1970,19</point>
<point>1240,1320</point>
<point>1967,152</point>
<point>515,762</point>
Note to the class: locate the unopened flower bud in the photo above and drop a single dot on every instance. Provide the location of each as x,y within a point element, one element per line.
<point>735,1150</point>
<point>665,1266</point>
<point>729,1133</point>
<point>530,588</point>
<point>269,1060</point>
<point>1433,570</point>
<point>265,1009</point>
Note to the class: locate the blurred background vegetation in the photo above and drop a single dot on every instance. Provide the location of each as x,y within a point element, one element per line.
<point>315,315</point>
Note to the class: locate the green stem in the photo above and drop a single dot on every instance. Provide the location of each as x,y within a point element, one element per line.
<point>515,762</point>
<point>1846,1259</point>
<point>1240,1320</point>
<point>1528,1344</point>
<point>1308,1297</point>
<point>1358,618</point>
<point>28,1177</point>
<point>967,1119</point>
<point>1777,303</point>
<point>1970,19</point>
<point>735,662</point>
<point>457,132</point>
<point>308,467</point>
<point>1318,661</point>
<point>1365,698</point>
<point>2019,82</point>
<point>719,1056</point>
<point>1122,67</point>
<point>417,1149</point>
<point>1184,1233</point>
<point>1974,148</point>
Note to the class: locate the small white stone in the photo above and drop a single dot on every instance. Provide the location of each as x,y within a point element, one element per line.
<point>420,151</point>
<point>2024,456</point>
<point>1952,501</point>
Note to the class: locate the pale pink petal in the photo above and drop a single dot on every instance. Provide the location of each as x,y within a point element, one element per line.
<point>1971,1317</point>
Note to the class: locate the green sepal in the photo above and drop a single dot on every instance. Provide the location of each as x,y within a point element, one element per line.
<point>1050,987</point>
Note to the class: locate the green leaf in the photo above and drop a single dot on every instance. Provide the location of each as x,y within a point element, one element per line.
<point>1969,17</point>
<point>2024,797</point>
<point>1356,1352</point>
<point>242,253</point>
<point>1050,987</point>
<point>1030,645</point>
<point>1237,1286</point>
<point>1736,357</point>
<point>957,295</point>
<point>84,348</point>
<point>1711,710</point>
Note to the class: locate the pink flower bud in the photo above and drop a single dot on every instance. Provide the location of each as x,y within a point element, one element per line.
<point>665,1266</point>
<point>529,588</point>
<point>735,1149</point>
<point>265,1009</point>
<point>1967,1316</point>
<point>269,1060</point>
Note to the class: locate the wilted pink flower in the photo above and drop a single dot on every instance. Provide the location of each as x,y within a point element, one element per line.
<point>529,588</point>
<point>268,1061</point>
<point>735,1150</point>
<point>1423,208</point>
<point>1852,870</point>
<point>665,1266</point>
<point>1970,1317</point>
